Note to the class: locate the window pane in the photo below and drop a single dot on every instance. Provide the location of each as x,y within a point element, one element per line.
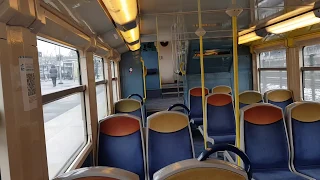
<point>273,59</point>
<point>98,68</point>
<point>102,104</point>
<point>115,90</point>
<point>64,131</point>
<point>311,83</point>
<point>273,80</point>
<point>311,56</point>
<point>59,67</point>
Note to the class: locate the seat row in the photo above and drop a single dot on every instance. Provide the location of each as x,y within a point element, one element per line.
<point>282,146</point>
<point>123,142</point>
<point>278,97</point>
<point>201,169</point>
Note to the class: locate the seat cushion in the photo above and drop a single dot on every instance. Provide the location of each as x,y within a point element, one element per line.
<point>276,175</point>
<point>226,139</point>
<point>312,172</point>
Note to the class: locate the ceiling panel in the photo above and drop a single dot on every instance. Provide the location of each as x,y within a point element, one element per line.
<point>91,16</point>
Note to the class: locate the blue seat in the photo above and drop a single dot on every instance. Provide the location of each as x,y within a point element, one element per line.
<point>264,139</point>
<point>220,119</point>
<point>249,97</point>
<point>195,105</point>
<point>304,130</point>
<point>98,173</point>
<point>222,89</point>
<point>129,106</point>
<point>279,97</point>
<point>169,139</point>
<point>121,144</point>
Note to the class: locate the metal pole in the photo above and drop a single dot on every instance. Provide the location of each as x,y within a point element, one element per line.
<point>235,78</point>
<point>202,79</point>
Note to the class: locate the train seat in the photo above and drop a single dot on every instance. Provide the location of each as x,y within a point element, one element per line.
<point>120,144</point>
<point>279,97</point>
<point>98,173</point>
<point>222,89</point>
<point>130,106</point>
<point>169,139</point>
<point>195,105</point>
<point>264,139</point>
<point>220,119</point>
<point>249,97</point>
<point>304,128</point>
<point>204,169</point>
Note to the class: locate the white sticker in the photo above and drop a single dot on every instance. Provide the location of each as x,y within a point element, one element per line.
<point>28,83</point>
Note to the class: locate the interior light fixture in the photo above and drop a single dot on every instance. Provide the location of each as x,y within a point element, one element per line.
<point>248,38</point>
<point>297,22</point>
<point>122,11</point>
<point>134,47</point>
<point>131,35</point>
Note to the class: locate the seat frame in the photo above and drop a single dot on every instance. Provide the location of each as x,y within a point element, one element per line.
<point>191,120</point>
<point>226,155</point>
<point>130,99</point>
<point>242,141</point>
<point>141,134</point>
<point>147,134</point>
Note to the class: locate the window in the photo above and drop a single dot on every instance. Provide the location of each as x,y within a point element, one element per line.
<point>101,90</point>
<point>114,81</point>
<point>63,107</point>
<point>272,70</point>
<point>311,73</point>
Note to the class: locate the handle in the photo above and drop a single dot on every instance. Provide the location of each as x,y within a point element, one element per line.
<point>228,147</point>
<point>180,105</point>
<point>138,95</point>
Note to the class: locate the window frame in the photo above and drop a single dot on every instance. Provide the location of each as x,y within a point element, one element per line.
<point>103,82</point>
<point>57,95</point>
<point>263,69</point>
<point>304,69</point>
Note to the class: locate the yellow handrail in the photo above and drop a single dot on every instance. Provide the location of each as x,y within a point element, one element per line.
<point>235,78</point>
<point>144,80</point>
<point>183,72</point>
<point>202,79</point>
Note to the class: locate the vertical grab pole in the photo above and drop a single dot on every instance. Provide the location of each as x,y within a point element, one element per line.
<point>202,78</point>
<point>144,81</point>
<point>158,50</point>
<point>235,11</point>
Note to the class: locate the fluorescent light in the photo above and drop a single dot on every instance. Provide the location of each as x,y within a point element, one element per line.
<point>301,21</point>
<point>122,11</point>
<point>131,35</point>
<point>248,38</point>
<point>134,47</point>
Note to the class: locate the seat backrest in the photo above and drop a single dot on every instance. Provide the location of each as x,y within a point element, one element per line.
<point>304,130</point>
<point>98,173</point>
<point>120,143</point>
<point>279,97</point>
<point>169,139</point>
<point>129,106</point>
<point>220,114</point>
<point>222,89</point>
<point>264,137</point>
<point>249,97</point>
<point>201,170</point>
<point>195,102</point>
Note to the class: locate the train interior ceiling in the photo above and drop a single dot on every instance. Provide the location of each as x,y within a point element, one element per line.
<point>68,69</point>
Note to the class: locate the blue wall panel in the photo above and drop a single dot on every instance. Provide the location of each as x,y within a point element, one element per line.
<point>218,70</point>
<point>131,83</point>
<point>151,62</point>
